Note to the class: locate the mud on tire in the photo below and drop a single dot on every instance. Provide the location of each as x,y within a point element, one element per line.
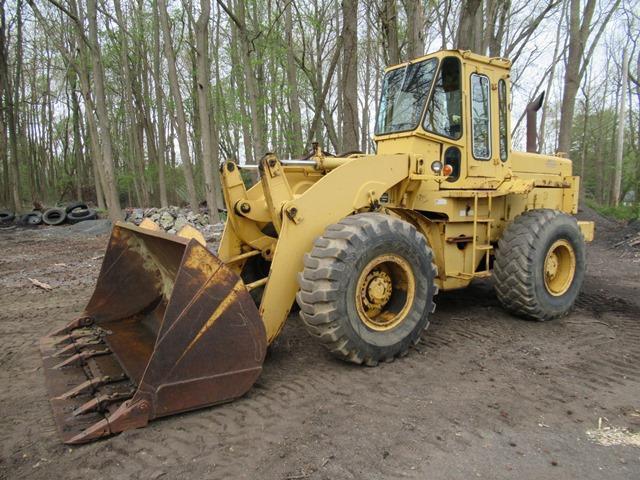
<point>520,265</point>
<point>329,287</point>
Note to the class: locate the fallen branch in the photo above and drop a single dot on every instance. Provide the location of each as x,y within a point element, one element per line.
<point>39,284</point>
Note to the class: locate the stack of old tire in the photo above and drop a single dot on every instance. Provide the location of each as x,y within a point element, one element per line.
<point>73,213</point>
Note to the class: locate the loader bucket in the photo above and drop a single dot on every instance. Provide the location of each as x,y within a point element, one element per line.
<point>169,328</point>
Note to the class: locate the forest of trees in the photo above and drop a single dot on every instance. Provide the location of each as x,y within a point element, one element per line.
<point>135,102</point>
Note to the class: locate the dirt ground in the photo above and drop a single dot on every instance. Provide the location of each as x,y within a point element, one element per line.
<point>484,395</point>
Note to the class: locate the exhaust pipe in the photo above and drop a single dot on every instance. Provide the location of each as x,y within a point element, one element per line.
<point>532,130</point>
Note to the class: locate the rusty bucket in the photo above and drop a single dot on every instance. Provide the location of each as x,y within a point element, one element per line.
<point>169,328</point>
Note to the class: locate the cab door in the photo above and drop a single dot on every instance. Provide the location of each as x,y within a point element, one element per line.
<point>484,152</point>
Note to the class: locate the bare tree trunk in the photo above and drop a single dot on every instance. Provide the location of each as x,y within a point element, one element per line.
<point>583,153</point>
<point>580,27</point>
<point>636,81</point>
<point>136,157</point>
<point>94,136</point>
<point>159,98</point>
<point>415,28</point>
<point>111,192</point>
<point>468,26</point>
<point>292,79</point>
<point>257,119</point>
<point>4,141</point>
<point>338,140</point>
<point>321,89</point>
<point>552,74</point>
<point>350,74</point>
<point>9,103</point>
<point>77,140</point>
<point>242,102</point>
<point>202,72</point>
<point>599,150</point>
<point>49,156</point>
<point>98,186</point>
<point>231,135</point>
<point>389,26</point>
<point>364,135</point>
<point>94,154</point>
<point>577,42</point>
<point>181,122</point>
<point>443,22</point>
<point>617,179</point>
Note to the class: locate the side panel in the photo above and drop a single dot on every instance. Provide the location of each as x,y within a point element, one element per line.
<point>451,233</point>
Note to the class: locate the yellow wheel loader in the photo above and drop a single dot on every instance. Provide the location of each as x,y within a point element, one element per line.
<point>362,242</point>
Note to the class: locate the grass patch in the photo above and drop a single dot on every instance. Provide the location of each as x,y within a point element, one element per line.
<point>621,212</point>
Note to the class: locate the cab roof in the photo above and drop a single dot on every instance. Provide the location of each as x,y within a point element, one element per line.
<point>467,55</point>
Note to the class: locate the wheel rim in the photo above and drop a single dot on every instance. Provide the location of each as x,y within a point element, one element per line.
<point>385,292</point>
<point>559,267</point>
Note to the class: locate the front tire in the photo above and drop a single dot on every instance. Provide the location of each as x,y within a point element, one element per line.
<point>540,265</point>
<point>367,288</point>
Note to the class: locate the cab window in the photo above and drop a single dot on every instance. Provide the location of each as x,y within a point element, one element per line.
<point>502,127</point>
<point>404,94</point>
<point>444,112</point>
<point>480,117</point>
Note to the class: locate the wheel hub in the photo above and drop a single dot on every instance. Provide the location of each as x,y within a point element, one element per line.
<point>552,265</point>
<point>559,267</point>
<point>385,292</point>
<point>379,288</point>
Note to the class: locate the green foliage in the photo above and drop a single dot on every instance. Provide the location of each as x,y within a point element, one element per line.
<point>125,181</point>
<point>621,212</point>
<point>595,147</point>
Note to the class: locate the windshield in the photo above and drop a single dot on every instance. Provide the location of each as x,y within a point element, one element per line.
<point>404,92</point>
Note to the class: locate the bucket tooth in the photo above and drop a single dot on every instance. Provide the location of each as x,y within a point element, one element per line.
<point>90,384</point>
<point>75,346</point>
<point>79,322</point>
<point>81,357</point>
<point>73,336</point>
<point>101,401</point>
<point>130,414</point>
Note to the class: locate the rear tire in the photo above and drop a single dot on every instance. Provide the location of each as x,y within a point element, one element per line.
<point>540,265</point>
<point>367,288</point>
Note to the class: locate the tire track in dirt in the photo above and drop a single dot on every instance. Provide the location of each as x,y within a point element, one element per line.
<point>607,347</point>
<point>476,375</point>
<point>252,420</point>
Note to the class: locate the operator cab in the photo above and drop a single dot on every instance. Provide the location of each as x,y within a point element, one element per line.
<point>450,106</point>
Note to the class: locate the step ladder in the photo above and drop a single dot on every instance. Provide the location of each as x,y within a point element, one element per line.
<point>483,249</point>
